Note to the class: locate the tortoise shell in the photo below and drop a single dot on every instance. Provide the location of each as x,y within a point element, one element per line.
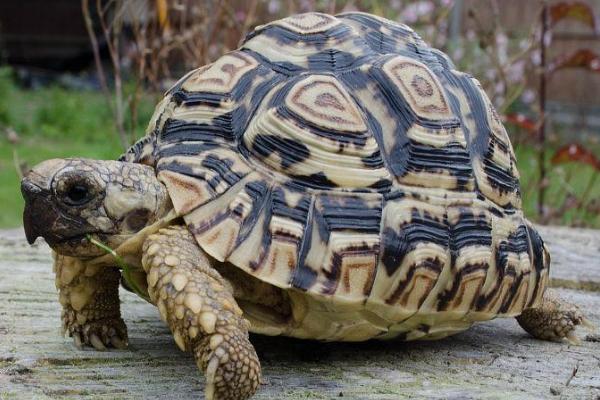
<point>344,160</point>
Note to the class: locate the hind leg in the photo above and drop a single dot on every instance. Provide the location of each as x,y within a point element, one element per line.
<point>554,319</point>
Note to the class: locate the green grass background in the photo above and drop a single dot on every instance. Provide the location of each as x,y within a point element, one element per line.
<point>55,122</point>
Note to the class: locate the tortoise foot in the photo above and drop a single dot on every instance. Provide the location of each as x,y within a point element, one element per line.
<point>555,319</point>
<point>100,334</point>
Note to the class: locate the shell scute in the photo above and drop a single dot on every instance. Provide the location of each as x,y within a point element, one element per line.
<point>222,75</point>
<point>322,101</point>
<point>419,86</point>
<point>492,158</point>
<point>383,36</point>
<point>344,251</point>
<point>307,23</point>
<point>303,124</point>
<point>414,255</point>
<point>470,250</point>
<point>323,44</point>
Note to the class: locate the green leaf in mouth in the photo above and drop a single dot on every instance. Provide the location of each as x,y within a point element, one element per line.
<point>123,265</point>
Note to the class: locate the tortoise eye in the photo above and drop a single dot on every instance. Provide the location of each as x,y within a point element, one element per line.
<point>77,195</point>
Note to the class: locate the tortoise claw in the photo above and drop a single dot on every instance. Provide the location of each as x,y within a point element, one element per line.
<point>573,339</point>
<point>77,340</point>
<point>118,343</point>
<point>96,342</point>
<point>100,334</point>
<point>589,325</point>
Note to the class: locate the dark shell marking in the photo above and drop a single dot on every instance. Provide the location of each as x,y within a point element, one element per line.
<point>343,157</point>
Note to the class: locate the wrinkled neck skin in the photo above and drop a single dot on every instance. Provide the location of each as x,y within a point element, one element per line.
<point>68,200</point>
<point>135,200</point>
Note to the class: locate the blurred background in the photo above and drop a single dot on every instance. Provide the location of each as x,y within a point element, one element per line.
<point>81,78</point>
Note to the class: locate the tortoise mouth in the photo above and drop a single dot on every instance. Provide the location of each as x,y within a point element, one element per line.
<point>80,239</point>
<point>39,221</point>
<point>81,246</point>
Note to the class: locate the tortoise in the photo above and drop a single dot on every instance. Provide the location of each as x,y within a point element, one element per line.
<point>334,178</point>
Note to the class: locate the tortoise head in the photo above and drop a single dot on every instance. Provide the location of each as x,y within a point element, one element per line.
<point>68,199</point>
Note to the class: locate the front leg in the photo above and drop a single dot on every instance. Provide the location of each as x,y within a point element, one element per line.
<point>198,305</point>
<point>90,300</point>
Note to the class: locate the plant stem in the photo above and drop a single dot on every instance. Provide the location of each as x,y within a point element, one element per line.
<point>542,128</point>
<point>121,263</point>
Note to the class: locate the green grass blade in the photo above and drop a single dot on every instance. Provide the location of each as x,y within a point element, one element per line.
<point>123,265</point>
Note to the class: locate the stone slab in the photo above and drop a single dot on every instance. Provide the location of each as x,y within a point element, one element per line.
<point>493,360</point>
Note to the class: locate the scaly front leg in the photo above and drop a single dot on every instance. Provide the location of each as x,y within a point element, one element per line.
<point>197,303</point>
<point>90,299</point>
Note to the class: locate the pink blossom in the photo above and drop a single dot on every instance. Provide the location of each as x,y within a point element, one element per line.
<point>548,38</point>
<point>502,46</point>
<point>536,57</point>
<point>458,53</point>
<point>416,10</point>
<point>396,5</point>
<point>528,96</point>
<point>274,6</point>
<point>523,44</point>
<point>499,88</point>
<point>306,5</point>
<point>490,74</point>
<point>240,16</point>
<point>516,71</point>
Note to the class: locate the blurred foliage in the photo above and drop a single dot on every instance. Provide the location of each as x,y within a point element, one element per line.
<point>151,47</point>
<point>58,114</point>
<point>6,86</point>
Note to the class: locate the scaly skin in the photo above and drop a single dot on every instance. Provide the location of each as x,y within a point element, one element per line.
<point>198,305</point>
<point>90,300</point>
<point>555,319</point>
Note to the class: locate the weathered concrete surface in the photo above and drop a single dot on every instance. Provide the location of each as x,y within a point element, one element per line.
<point>575,257</point>
<point>494,360</point>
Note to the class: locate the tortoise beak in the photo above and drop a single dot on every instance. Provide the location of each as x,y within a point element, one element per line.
<point>40,216</point>
<point>32,195</point>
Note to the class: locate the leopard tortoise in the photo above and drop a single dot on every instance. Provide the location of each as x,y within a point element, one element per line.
<point>335,178</point>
